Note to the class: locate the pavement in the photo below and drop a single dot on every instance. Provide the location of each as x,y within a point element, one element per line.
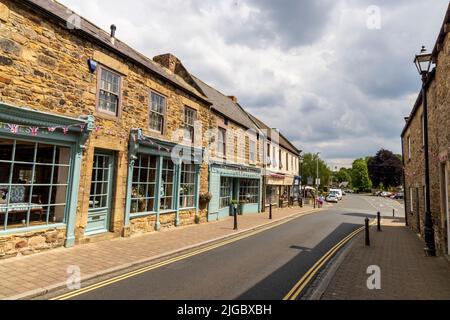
<point>36,275</point>
<point>405,272</point>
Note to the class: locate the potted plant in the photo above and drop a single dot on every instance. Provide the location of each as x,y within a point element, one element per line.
<point>205,197</point>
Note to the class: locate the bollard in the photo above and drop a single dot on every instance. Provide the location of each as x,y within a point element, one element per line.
<point>393,213</point>
<point>235,219</point>
<point>301,202</point>
<point>367,233</point>
<point>270,211</point>
<point>379,220</point>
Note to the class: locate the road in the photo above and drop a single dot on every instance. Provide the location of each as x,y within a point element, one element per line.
<point>264,266</point>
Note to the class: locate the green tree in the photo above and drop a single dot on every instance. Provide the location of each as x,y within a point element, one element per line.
<point>310,170</point>
<point>360,176</point>
<point>385,169</point>
<point>343,175</point>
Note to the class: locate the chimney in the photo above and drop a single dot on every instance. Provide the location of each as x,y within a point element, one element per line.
<point>406,119</point>
<point>113,34</point>
<point>168,61</point>
<point>233,98</point>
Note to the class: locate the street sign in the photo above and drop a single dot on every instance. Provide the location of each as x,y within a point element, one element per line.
<point>310,181</point>
<point>317,182</point>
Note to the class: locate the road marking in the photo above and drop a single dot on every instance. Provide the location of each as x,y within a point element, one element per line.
<point>137,272</point>
<point>306,279</point>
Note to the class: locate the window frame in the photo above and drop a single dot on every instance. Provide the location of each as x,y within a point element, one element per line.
<point>252,160</point>
<point>253,186</point>
<point>146,184</point>
<point>99,110</point>
<point>223,143</point>
<point>150,111</point>
<point>193,184</point>
<point>46,207</point>
<point>191,126</point>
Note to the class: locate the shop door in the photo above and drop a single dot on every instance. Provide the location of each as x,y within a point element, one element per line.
<point>101,194</point>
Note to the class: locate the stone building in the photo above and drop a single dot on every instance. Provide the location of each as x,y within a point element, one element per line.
<point>98,141</point>
<point>88,130</point>
<point>281,166</point>
<point>438,96</point>
<point>234,156</point>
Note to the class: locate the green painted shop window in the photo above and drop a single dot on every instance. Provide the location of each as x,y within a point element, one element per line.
<point>187,186</point>
<point>226,191</point>
<point>34,181</point>
<point>144,184</point>
<point>248,190</point>
<point>167,180</point>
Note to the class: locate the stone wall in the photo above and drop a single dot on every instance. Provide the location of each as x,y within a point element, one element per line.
<point>438,96</point>
<point>31,242</point>
<point>43,65</point>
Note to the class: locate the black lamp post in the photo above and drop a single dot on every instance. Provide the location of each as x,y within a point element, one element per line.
<point>423,63</point>
<point>302,160</point>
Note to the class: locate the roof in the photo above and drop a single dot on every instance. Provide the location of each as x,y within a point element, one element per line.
<point>284,142</point>
<point>444,30</point>
<point>225,105</point>
<point>437,48</point>
<point>102,38</point>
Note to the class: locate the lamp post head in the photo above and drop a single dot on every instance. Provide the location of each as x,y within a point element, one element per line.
<point>423,62</point>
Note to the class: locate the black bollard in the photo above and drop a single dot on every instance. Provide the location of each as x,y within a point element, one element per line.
<point>235,219</point>
<point>270,211</point>
<point>379,220</point>
<point>393,213</point>
<point>367,233</point>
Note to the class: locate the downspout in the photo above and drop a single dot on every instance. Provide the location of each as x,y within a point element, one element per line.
<point>404,182</point>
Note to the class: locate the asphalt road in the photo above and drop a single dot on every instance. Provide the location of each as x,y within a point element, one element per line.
<point>262,267</point>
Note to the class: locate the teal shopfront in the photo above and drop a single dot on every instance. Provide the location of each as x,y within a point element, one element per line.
<point>228,183</point>
<point>163,178</point>
<point>40,161</point>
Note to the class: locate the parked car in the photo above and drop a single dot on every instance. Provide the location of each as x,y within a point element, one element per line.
<point>332,197</point>
<point>337,192</point>
<point>399,196</point>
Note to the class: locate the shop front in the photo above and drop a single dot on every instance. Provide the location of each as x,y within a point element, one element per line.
<point>163,183</point>
<point>40,161</point>
<point>278,189</point>
<point>233,183</point>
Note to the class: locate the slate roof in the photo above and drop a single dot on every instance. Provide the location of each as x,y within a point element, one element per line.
<point>225,106</point>
<point>93,33</point>
<point>285,143</point>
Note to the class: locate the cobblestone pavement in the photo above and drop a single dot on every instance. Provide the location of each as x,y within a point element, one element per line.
<point>405,271</point>
<point>32,274</point>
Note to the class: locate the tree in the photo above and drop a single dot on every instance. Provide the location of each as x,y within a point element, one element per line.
<point>343,175</point>
<point>385,168</point>
<point>310,169</point>
<point>360,176</point>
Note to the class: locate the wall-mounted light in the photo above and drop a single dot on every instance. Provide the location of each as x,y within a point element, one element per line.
<point>92,65</point>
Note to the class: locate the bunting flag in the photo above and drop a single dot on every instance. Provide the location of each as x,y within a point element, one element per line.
<point>14,128</point>
<point>34,131</point>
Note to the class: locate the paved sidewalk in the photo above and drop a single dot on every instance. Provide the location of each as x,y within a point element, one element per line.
<point>405,271</point>
<point>34,275</point>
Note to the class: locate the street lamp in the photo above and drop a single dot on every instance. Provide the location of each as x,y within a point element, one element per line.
<point>317,179</point>
<point>423,63</point>
<point>302,160</point>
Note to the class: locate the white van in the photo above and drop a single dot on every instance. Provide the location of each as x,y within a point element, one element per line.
<point>338,193</point>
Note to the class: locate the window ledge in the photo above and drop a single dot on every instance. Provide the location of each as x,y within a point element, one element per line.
<point>141,215</point>
<point>167,211</point>
<point>32,229</point>
<point>188,209</point>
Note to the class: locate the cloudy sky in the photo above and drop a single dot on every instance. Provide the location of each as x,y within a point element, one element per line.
<point>335,76</point>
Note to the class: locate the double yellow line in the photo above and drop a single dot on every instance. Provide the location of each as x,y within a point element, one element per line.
<point>108,282</point>
<point>306,279</point>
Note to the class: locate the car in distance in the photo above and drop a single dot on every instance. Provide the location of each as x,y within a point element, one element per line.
<point>337,192</point>
<point>332,197</point>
